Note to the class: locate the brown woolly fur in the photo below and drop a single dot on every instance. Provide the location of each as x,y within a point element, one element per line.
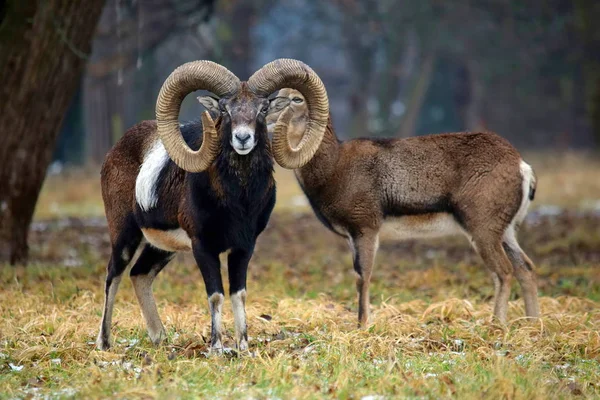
<point>472,183</point>
<point>475,178</point>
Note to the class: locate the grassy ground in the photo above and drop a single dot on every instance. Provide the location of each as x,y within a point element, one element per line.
<point>431,337</point>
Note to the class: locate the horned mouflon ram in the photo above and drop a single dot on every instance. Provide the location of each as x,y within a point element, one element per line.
<point>474,184</point>
<point>202,187</point>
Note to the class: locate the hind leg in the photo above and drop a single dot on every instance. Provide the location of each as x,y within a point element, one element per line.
<point>524,271</point>
<point>497,262</point>
<point>124,248</point>
<point>496,280</point>
<point>149,264</point>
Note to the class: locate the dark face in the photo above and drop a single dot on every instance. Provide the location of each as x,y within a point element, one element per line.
<point>247,113</point>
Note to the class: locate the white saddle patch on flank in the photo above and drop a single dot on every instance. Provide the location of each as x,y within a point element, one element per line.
<point>145,185</point>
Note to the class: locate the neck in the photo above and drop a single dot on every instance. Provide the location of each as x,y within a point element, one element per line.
<point>256,166</point>
<point>321,166</point>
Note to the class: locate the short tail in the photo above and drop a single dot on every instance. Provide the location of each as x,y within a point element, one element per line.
<point>528,187</point>
<point>532,185</point>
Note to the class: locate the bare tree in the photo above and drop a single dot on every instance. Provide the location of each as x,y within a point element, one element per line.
<point>588,12</point>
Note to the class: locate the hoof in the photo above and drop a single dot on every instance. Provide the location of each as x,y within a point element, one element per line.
<point>102,343</point>
<point>157,337</point>
<point>216,348</point>
<point>242,345</point>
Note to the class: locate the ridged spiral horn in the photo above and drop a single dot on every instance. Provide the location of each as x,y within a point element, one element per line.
<point>289,73</point>
<point>189,77</point>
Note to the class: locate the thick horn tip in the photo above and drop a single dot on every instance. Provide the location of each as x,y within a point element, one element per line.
<point>207,121</point>
<point>191,76</point>
<point>287,72</point>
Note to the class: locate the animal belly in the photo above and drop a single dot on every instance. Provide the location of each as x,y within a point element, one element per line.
<point>420,226</point>
<point>172,240</point>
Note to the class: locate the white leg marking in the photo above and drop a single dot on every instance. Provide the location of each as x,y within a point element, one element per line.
<point>352,247</point>
<point>510,237</point>
<point>238,303</point>
<point>103,340</point>
<point>215,302</point>
<point>145,184</point>
<point>142,285</point>
<point>125,256</point>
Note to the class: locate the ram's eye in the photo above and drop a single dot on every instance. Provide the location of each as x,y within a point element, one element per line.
<point>265,109</point>
<point>297,100</point>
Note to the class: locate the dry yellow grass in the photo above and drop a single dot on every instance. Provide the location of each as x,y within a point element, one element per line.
<point>301,347</point>
<point>432,335</point>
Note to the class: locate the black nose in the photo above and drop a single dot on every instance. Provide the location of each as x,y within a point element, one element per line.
<point>242,138</point>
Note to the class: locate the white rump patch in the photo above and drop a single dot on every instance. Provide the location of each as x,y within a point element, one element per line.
<point>528,177</point>
<point>145,185</point>
<point>421,226</point>
<point>172,240</point>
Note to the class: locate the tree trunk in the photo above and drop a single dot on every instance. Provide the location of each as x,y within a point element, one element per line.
<point>97,112</point>
<point>70,145</point>
<point>587,13</point>
<point>44,48</point>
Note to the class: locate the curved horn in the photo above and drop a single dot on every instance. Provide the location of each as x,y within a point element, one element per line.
<point>185,79</point>
<point>283,73</point>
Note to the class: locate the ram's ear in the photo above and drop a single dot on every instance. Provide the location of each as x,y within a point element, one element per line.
<point>211,104</point>
<point>277,104</point>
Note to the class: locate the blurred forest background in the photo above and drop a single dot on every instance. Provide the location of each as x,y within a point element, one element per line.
<point>528,70</point>
<point>75,74</point>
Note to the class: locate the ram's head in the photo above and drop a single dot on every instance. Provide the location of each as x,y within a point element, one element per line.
<point>243,109</point>
<point>293,99</point>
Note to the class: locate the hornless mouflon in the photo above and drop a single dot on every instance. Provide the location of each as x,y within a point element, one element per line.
<point>475,184</point>
<point>202,187</point>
